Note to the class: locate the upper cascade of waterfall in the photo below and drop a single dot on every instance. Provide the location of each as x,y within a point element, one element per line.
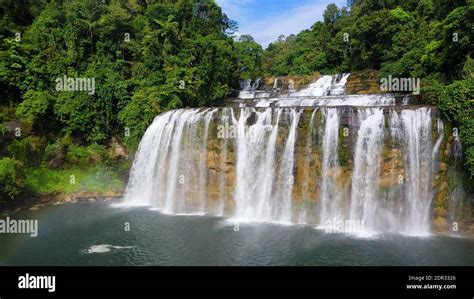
<point>325,86</point>
<point>326,91</point>
<point>248,88</point>
<point>348,100</point>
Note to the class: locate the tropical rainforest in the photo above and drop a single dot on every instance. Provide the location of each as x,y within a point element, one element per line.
<point>150,56</point>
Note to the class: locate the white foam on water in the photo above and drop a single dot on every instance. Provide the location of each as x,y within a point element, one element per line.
<point>104,248</point>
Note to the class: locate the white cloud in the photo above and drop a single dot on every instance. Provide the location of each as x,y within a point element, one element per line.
<point>289,22</point>
<point>266,28</point>
<point>236,9</point>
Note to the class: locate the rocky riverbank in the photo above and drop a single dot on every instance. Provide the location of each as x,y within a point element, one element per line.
<point>37,202</point>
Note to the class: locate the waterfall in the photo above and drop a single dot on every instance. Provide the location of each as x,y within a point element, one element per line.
<point>246,85</point>
<point>202,162</point>
<point>417,131</point>
<point>141,184</point>
<point>343,100</point>
<point>330,197</point>
<point>304,214</point>
<point>320,88</point>
<point>222,179</point>
<point>434,155</point>
<point>324,86</point>
<point>281,211</point>
<point>339,85</point>
<point>248,88</point>
<point>255,167</point>
<point>457,148</point>
<point>256,84</point>
<point>372,164</point>
<point>275,84</point>
<point>172,179</point>
<point>365,190</point>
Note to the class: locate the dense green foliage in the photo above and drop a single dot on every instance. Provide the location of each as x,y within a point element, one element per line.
<point>46,181</point>
<point>427,39</point>
<point>12,178</point>
<point>411,38</point>
<point>145,56</point>
<point>456,102</point>
<point>249,57</point>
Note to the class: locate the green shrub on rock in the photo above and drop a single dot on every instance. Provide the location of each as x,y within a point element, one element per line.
<point>28,151</point>
<point>12,178</point>
<point>84,155</point>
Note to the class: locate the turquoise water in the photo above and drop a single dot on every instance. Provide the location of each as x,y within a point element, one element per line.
<point>90,233</point>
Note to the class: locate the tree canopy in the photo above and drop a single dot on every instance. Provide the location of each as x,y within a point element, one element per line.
<point>428,39</point>
<point>145,56</point>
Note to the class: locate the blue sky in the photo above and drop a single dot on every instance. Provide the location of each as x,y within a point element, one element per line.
<point>265,20</point>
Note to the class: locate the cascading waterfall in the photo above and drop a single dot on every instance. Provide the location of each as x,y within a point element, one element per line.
<point>258,197</point>
<point>282,210</point>
<point>172,180</point>
<point>202,162</point>
<point>142,179</point>
<point>248,88</point>
<point>303,212</point>
<point>275,83</point>
<point>321,87</point>
<point>339,85</point>
<point>294,164</point>
<point>330,195</point>
<point>252,144</point>
<point>326,86</point>
<point>222,179</point>
<point>436,148</point>
<point>417,131</point>
<point>256,84</point>
<point>365,189</point>
<point>348,100</point>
